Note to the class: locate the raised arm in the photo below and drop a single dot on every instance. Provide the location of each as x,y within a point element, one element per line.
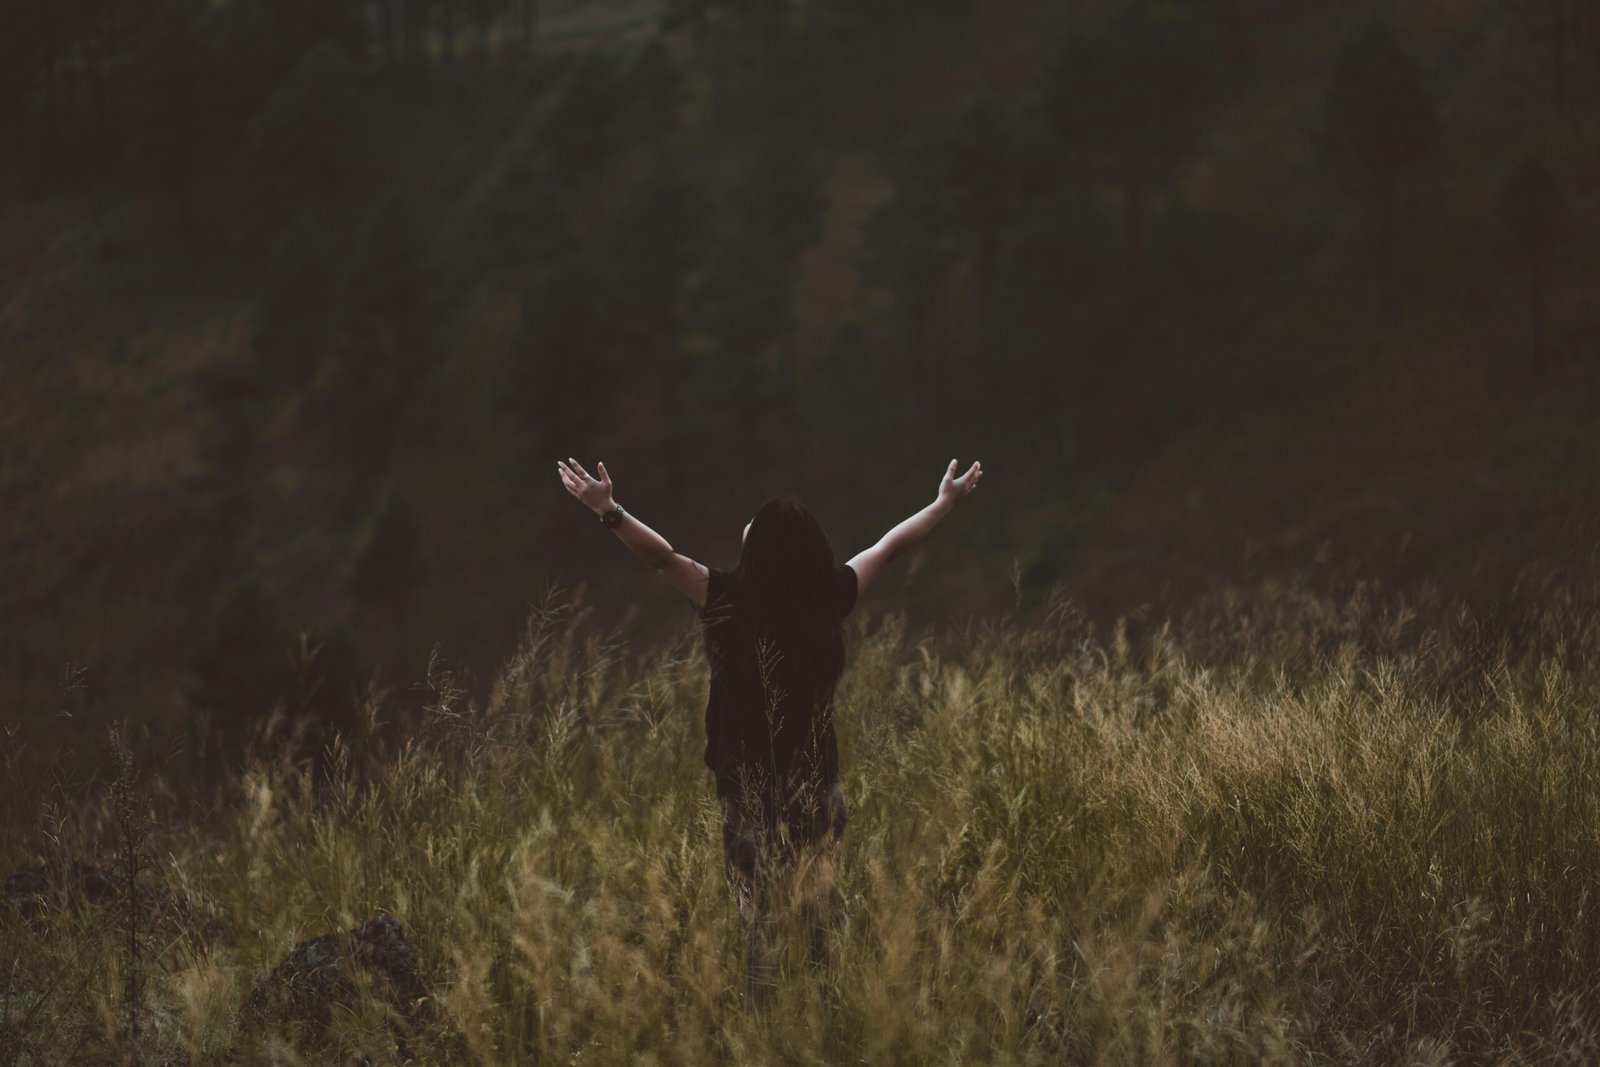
<point>688,576</point>
<point>909,531</point>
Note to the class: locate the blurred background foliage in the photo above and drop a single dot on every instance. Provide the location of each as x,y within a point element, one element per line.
<point>301,299</point>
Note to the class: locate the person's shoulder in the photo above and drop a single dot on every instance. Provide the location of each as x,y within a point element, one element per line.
<point>719,584</point>
<point>847,586</point>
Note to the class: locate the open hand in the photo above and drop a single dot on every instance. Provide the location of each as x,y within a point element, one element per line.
<point>952,488</point>
<point>593,493</point>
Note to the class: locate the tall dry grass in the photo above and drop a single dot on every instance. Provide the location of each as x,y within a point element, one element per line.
<point>1278,829</point>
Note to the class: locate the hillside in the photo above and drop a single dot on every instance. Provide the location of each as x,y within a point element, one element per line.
<point>315,390</point>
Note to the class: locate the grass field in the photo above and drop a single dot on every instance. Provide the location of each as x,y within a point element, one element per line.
<point>1284,829</point>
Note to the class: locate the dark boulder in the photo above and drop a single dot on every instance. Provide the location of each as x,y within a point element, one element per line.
<point>330,969</point>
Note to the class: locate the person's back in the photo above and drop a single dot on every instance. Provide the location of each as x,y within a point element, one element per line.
<point>775,645</point>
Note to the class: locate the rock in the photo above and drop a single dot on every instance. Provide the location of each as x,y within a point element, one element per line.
<point>323,969</point>
<point>381,947</point>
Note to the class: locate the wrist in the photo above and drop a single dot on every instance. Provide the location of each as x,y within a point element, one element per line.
<point>601,509</point>
<point>944,503</point>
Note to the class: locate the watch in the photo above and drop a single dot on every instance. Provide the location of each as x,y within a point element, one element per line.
<point>614,516</point>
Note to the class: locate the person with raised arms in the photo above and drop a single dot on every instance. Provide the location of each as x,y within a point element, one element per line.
<point>773,629</point>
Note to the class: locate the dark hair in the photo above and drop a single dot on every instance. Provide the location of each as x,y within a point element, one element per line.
<point>785,594</point>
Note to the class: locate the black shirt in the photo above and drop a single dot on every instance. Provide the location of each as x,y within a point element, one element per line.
<point>740,737</point>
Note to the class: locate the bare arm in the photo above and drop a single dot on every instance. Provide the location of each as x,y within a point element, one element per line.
<point>908,532</point>
<point>686,575</point>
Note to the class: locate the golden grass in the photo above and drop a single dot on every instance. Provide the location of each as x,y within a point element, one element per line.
<point>1281,830</point>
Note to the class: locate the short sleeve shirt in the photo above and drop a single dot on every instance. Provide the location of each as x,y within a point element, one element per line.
<point>738,733</point>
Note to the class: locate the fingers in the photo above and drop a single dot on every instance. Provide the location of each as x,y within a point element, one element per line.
<point>968,479</point>
<point>604,477</point>
<point>577,466</point>
<point>571,481</point>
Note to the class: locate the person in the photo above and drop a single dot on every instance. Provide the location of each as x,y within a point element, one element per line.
<point>774,641</point>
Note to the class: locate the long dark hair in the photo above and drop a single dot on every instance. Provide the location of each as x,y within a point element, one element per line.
<point>785,594</point>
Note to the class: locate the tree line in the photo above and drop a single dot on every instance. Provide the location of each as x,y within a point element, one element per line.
<point>357,170</point>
